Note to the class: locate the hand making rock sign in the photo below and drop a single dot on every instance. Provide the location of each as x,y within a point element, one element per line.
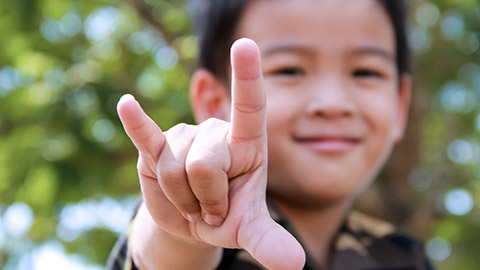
<point>204,185</point>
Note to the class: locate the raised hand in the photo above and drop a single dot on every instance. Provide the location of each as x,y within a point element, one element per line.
<point>206,184</point>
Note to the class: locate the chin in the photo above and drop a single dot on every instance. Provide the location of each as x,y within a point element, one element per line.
<point>323,198</point>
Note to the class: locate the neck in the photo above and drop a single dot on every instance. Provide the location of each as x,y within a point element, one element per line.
<point>315,227</point>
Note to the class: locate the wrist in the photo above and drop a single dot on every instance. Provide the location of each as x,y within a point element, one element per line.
<point>151,247</point>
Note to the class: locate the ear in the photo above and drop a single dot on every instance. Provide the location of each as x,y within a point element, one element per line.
<point>403,104</point>
<point>209,97</point>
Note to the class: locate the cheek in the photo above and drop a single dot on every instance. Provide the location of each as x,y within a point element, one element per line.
<point>281,110</point>
<point>379,112</point>
<point>379,109</point>
<point>281,114</point>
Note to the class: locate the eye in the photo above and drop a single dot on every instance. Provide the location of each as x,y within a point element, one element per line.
<point>289,71</point>
<point>367,73</point>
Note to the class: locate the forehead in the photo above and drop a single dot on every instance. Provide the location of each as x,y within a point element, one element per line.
<point>326,24</point>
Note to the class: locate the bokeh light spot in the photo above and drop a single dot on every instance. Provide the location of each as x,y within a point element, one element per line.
<point>166,57</point>
<point>438,249</point>
<point>10,78</point>
<point>461,151</point>
<point>427,15</point>
<point>40,93</point>
<point>103,130</point>
<point>474,42</point>
<point>17,219</point>
<point>454,97</point>
<point>150,83</point>
<point>419,39</point>
<point>51,255</point>
<point>2,234</point>
<point>477,122</point>
<point>50,30</point>
<point>420,179</point>
<point>83,101</point>
<point>468,43</point>
<point>188,47</point>
<point>70,24</point>
<point>87,214</point>
<point>458,202</point>
<point>58,147</point>
<point>84,72</point>
<point>55,78</point>
<point>101,23</point>
<point>453,26</point>
<point>144,41</point>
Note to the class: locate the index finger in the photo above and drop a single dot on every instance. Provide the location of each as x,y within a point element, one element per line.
<point>248,94</point>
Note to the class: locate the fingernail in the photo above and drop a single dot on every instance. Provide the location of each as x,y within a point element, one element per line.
<point>213,220</point>
<point>193,217</point>
<point>127,96</point>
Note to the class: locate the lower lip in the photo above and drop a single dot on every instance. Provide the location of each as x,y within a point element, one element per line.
<point>330,146</point>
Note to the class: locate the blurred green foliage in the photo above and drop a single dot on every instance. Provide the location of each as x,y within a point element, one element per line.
<point>64,65</point>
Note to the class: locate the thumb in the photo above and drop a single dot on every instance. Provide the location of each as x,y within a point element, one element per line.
<point>271,245</point>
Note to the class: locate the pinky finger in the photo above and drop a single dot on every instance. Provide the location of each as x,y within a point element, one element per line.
<point>142,130</point>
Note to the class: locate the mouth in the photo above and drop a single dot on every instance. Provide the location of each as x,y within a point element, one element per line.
<point>329,145</point>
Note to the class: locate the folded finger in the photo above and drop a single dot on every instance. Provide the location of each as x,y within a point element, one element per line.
<point>206,165</point>
<point>172,174</point>
<point>163,212</point>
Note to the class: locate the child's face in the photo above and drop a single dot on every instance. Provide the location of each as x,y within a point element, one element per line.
<point>334,106</point>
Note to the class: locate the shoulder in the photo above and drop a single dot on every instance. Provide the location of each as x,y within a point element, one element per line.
<point>377,244</point>
<point>363,227</point>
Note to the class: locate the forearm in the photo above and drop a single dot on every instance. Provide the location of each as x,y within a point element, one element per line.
<point>153,248</point>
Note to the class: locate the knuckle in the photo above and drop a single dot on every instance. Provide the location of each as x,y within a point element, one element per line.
<point>216,207</point>
<point>188,207</point>
<point>211,202</point>
<point>199,169</point>
<point>145,170</point>
<point>210,121</point>
<point>248,108</point>
<point>180,127</point>
<point>213,122</point>
<point>177,129</point>
<point>172,174</point>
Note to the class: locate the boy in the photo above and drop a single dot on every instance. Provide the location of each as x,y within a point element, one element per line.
<point>335,77</point>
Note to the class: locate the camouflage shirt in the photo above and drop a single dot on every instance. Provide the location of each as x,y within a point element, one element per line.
<point>362,243</point>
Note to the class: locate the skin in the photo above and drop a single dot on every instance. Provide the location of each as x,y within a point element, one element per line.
<point>218,168</point>
<point>336,106</point>
<point>334,110</point>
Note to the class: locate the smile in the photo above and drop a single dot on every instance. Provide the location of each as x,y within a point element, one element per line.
<point>329,145</point>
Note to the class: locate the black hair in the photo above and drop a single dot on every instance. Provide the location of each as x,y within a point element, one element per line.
<point>216,22</point>
<point>397,12</point>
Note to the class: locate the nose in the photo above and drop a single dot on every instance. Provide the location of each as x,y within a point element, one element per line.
<point>330,100</point>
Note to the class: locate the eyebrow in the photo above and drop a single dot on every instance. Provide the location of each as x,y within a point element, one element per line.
<point>372,50</point>
<point>303,49</point>
<point>287,47</point>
